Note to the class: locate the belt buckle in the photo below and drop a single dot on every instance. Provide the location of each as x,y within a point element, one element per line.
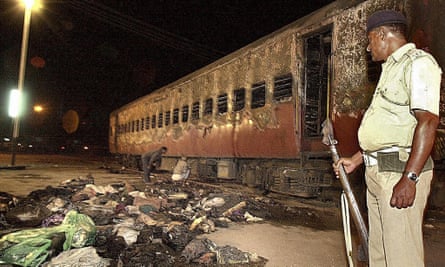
<point>366,159</point>
<point>369,160</point>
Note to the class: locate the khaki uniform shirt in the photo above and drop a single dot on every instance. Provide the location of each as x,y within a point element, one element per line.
<point>410,80</point>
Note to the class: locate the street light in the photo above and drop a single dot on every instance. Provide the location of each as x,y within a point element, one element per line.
<point>38,108</point>
<point>15,99</point>
<point>16,119</point>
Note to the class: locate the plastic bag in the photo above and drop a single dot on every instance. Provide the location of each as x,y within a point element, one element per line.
<point>30,252</point>
<point>30,247</point>
<point>79,229</point>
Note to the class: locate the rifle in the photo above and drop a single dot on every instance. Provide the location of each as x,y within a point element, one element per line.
<point>328,139</point>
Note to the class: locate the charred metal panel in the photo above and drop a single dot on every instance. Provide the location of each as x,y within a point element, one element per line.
<point>222,134</point>
<point>267,143</point>
<point>300,182</point>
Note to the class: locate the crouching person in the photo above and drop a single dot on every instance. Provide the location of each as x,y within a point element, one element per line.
<point>152,160</point>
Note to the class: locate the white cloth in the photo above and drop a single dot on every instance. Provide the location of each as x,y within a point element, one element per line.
<point>181,171</point>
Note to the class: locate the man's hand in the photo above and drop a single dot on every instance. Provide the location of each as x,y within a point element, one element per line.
<point>349,164</point>
<point>403,193</point>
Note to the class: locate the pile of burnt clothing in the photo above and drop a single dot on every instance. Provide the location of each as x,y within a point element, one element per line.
<point>117,225</point>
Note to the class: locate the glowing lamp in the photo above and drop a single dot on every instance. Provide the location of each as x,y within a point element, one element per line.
<point>15,100</point>
<point>28,4</point>
<point>38,108</point>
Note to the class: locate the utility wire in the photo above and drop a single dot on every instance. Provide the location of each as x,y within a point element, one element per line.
<point>141,28</point>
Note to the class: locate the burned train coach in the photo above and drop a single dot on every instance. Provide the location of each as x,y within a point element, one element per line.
<point>256,115</point>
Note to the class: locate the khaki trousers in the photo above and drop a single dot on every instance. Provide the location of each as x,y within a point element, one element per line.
<point>395,235</point>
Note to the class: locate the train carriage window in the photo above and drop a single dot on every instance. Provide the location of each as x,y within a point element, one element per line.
<point>317,51</point>
<point>160,119</point>
<point>185,113</point>
<point>176,116</point>
<point>167,118</point>
<point>208,107</point>
<point>142,124</point>
<point>147,123</point>
<point>258,95</point>
<point>222,103</point>
<point>282,90</point>
<point>137,125</point>
<point>239,99</point>
<point>153,121</point>
<point>195,111</point>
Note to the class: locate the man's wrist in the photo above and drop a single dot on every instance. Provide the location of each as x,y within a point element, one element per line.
<point>412,176</point>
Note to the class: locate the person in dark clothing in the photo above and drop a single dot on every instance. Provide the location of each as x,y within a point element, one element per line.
<point>152,160</point>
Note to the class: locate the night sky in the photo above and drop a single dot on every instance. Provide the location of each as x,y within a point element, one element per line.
<point>95,56</point>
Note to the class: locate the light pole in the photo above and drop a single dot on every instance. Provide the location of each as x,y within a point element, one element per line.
<point>16,120</point>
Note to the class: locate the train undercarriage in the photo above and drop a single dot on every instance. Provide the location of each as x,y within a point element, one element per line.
<point>310,176</point>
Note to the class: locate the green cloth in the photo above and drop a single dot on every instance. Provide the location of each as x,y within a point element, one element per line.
<point>30,247</point>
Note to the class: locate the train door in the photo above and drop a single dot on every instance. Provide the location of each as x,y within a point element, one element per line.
<point>317,69</point>
<point>314,172</point>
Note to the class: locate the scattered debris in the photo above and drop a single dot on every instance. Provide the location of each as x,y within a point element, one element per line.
<point>78,257</point>
<point>116,225</point>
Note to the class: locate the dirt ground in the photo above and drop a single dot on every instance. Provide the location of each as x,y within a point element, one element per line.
<point>306,234</point>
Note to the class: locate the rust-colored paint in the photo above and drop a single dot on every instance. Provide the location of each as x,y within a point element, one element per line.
<point>277,142</point>
<point>345,130</point>
<point>238,138</point>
